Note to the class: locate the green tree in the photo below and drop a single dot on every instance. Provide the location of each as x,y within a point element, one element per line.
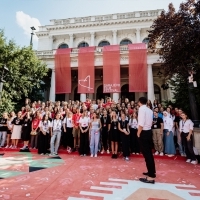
<point>175,36</point>
<point>26,71</point>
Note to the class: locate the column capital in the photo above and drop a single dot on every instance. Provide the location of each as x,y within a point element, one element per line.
<point>114,31</point>
<point>71,35</point>
<point>53,69</point>
<point>92,33</point>
<point>138,29</point>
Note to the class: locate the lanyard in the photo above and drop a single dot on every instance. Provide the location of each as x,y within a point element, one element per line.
<point>183,123</point>
<point>104,119</point>
<point>123,124</point>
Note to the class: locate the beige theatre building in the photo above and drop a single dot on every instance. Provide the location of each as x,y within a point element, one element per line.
<point>120,29</point>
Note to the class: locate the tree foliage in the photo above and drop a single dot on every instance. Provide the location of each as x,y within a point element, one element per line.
<point>25,70</point>
<point>175,36</point>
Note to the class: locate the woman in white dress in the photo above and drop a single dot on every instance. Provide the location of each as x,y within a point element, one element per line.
<point>16,129</point>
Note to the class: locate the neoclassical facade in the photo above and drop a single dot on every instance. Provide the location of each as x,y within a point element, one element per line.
<point>112,29</point>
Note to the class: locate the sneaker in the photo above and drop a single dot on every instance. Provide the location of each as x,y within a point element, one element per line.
<point>133,153</point>
<point>95,155</point>
<point>156,153</point>
<point>127,158</point>
<point>194,162</point>
<point>10,146</point>
<point>182,154</point>
<point>6,147</point>
<point>161,153</point>
<point>137,153</point>
<point>81,155</point>
<point>188,160</point>
<point>23,148</point>
<point>84,155</point>
<point>91,155</point>
<point>108,151</point>
<point>102,152</point>
<point>51,155</point>
<point>41,154</point>
<point>56,154</point>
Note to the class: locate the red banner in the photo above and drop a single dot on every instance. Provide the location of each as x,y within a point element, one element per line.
<point>137,67</point>
<point>86,70</point>
<point>62,71</point>
<point>111,69</point>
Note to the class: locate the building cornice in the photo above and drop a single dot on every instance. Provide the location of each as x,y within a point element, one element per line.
<point>101,20</point>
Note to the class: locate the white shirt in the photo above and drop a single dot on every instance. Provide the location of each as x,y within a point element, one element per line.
<point>84,122</point>
<point>168,123</point>
<point>57,125</point>
<point>186,126</point>
<point>44,126</point>
<point>68,122</point>
<point>145,117</point>
<point>133,123</point>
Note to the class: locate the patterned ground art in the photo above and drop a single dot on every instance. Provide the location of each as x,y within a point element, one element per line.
<point>71,177</point>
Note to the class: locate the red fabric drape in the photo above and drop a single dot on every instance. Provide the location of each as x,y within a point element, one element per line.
<point>86,70</point>
<point>111,69</point>
<point>137,67</point>
<point>62,71</point>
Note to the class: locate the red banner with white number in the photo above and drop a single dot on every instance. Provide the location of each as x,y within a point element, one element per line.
<point>137,67</point>
<point>111,69</point>
<point>86,70</point>
<point>62,71</point>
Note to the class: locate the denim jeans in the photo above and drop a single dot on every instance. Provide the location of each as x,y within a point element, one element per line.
<point>55,141</point>
<point>94,141</point>
<point>2,138</point>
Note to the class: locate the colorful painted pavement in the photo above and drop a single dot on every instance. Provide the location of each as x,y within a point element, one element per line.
<point>32,176</point>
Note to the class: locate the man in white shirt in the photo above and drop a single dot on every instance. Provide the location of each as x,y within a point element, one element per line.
<point>145,138</point>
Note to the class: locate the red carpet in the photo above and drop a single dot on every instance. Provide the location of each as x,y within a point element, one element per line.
<point>74,174</point>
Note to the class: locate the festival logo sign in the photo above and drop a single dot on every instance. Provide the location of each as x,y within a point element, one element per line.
<point>86,70</point>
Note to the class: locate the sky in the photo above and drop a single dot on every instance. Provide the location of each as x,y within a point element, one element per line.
<point>17,16</point>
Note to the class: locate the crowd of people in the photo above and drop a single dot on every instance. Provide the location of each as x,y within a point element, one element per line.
<point>96,127</point>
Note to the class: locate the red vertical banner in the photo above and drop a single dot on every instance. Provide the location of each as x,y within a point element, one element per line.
<point>62,71</point>
<point>86,70</point>
<point>111,69</point>
<point>137,67</point>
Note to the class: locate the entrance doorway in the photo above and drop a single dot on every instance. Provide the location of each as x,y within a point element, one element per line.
<point>76,95</point>
<point>126,94</point>
<point>157,92</point>
<point>60,97</point>
<point>100,94</point>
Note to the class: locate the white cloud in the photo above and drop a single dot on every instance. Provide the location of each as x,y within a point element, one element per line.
<point>25,21</point>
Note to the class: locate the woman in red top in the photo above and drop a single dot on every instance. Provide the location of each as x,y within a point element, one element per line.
<point>35,127</point>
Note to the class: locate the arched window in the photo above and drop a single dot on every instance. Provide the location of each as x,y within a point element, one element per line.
<point>63,46</point>
<point>146,40</point>
<point>125,42</point>
<point>103,43</point>
<point>83,44</point>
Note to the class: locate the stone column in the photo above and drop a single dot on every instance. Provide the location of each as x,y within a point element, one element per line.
<point>138,35</point>
<point>82,97</point>
<point>50,42</point>
<point>71,41</point>
<point>150,93</point>
<point>52,94</point>
<point>114,37</point>
<point>116,97</point>
<point>92,39</point>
